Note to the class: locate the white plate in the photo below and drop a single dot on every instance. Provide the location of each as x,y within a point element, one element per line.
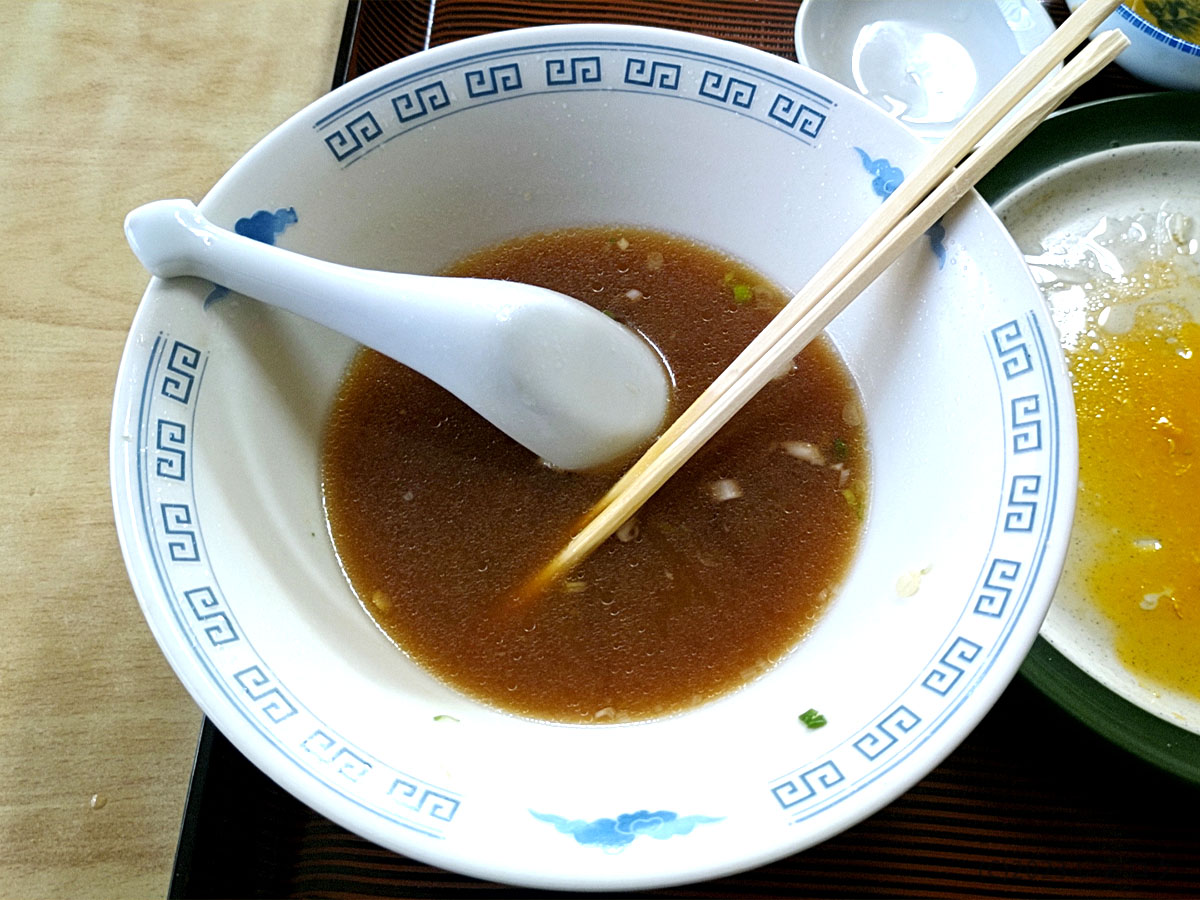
<point>1058,210</point>
<point>924,62</point>
<point>219,410</point>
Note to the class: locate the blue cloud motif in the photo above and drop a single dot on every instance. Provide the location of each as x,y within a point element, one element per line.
<point>887,179</point>
<point>615,834</point>
<point>263,226</point>
<point>937,237</point>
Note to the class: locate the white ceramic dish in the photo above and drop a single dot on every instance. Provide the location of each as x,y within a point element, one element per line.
<point>220,406</point>
<point>924,62</point>
<point>1059,216</point>
<point>1154,55</point>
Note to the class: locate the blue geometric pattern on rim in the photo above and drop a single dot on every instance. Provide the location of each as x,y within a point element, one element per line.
<point>561,72</point>
<point>1012,349</point>
<point>364,124</point>
<point>206,607</point>
<point>423,799</point>
<point>351,138</point>
<point>183,366</point>
<point>1023,366</point>
<point>951,666</point>
<point>174,539</point>
<point>1026,420</point>
<point>261,226</point>
<point>260,687</point>
<point>997,587</point>
<point>493,80</point>
<point>652,73</point>
<point>885,179</point>
<point>171,444</point>
<point>885,733</point>
<point>422,101</point>
<point>728,89</point>
<point>615,834</point>
<point>1023,494</point>
<point>800,787</point>
<point>340,759</point>
<point>795,114</point>
<point>177,523</point>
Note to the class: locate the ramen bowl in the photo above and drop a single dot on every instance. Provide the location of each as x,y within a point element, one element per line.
<point>221,405</point>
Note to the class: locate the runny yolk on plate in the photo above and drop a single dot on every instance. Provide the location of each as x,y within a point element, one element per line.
<point>1135,365</point>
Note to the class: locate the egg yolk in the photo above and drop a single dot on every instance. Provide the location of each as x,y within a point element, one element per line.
<point>1137,396</point>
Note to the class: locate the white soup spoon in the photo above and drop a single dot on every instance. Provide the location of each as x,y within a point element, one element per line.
<point>574,386</point>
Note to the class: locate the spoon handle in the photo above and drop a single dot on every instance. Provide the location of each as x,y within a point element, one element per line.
<point>571,384</point>
<point>416,318</point>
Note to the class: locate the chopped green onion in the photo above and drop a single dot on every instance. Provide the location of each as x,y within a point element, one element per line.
<point>742,293</point>
<point>812,719</point>
<point>853,501</point>
<point>444,718</point>
<point>840,450</point>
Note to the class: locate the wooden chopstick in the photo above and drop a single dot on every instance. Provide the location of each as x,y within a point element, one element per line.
<point>676,446</point>
<point>984,116</point>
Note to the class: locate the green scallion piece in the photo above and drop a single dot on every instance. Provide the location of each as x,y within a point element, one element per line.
<point>812,719</point>
<point>853,501</point>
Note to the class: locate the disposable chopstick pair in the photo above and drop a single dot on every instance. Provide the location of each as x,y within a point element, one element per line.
<point>916,205</point>
<point>984,116</point>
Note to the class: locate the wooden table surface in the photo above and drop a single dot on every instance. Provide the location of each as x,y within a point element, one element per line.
<point>103,106</point>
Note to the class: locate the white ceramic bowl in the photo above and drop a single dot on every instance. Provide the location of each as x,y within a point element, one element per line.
<point>1154,55</point>
<point>925,62</point>
<point>219,413</point>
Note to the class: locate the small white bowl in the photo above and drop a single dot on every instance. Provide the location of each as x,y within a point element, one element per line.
<point>1153,55</point>
<point>924,62</point>
<point>219,412</point>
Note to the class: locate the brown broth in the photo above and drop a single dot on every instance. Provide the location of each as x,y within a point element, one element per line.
<point>438,518</point>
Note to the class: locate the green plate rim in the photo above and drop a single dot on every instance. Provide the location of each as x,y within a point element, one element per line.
<point>1068,135</point>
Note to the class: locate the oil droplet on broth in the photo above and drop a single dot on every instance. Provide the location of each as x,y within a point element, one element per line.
<point>1131,329</point>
